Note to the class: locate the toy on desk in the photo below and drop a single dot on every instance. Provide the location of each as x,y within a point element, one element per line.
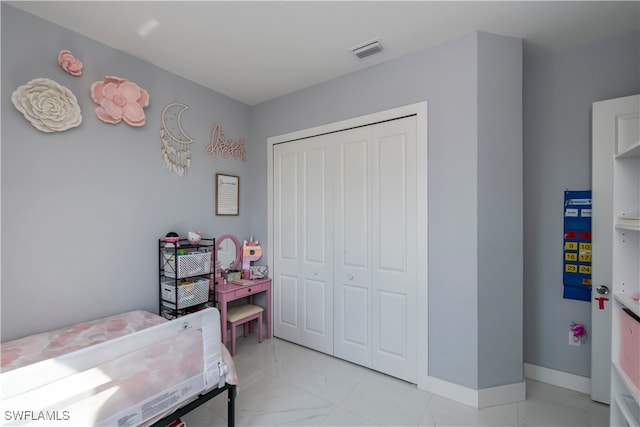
<point>219,280</point>
<point>194,237</point>
<point>258,271</point>
<point>251,251</point>
<point>171,239</point>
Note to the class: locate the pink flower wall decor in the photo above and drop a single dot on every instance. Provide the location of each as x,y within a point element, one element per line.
<point>69,63</point>
<point>119,100</point>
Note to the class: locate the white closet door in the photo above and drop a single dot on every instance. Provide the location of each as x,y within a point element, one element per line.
<point>345,246</point>
<point>352,239</point>
<point>375,271</point>
<point>394,245</point>
<point>303,245</point>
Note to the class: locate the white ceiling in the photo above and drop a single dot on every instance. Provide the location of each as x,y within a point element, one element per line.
<point>259,50</point>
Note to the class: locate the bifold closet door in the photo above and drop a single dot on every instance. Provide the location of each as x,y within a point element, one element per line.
<point>345,273</point>
<point>375,271</point>
<point>303,244</point>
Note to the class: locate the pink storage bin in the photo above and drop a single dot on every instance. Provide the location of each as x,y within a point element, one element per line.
<point>630,345</point>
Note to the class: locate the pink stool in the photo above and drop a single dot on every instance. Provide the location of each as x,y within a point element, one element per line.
<point>243,315</point>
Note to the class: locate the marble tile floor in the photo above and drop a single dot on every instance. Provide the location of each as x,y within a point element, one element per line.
<point>283,384</point>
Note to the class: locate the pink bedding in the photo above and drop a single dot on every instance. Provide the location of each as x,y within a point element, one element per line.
<point>47,345</point>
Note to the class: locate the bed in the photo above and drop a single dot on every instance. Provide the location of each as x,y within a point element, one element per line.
<point>131,369</point>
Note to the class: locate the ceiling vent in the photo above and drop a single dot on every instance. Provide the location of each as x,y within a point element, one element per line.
<point>367,49</point>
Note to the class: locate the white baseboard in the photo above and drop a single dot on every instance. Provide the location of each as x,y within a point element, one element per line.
<point>508,393</point>
<point>502,394</point>
<point>558,378</point>
<point>483,398</point>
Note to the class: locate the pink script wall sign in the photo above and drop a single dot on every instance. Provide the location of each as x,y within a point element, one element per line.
<point>223,147</point>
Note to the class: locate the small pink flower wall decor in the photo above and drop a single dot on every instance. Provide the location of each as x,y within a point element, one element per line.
<point>119,100</point>
<point>69,63</point>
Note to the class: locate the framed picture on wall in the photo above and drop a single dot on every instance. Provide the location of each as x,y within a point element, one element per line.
<point>227,194</point>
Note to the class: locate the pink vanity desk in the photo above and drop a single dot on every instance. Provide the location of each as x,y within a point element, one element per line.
<point>232,292</point>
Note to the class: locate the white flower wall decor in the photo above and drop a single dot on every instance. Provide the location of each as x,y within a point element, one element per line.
<point>47,105</point>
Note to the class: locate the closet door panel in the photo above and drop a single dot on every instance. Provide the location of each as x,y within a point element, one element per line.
<point>352,258</point>
<point>303,244</point>
<point>286,279</point>
<point>288,303</point>
<point>356,316</point>
<point>315,206</point>
<point>390,195</point>
<point>286,206</point>
<point>348,244</point>
<point>394,245</point>
<point>317,246</point>
<point>316,308</point>
<point>354,203</point>
<point>392,308</point>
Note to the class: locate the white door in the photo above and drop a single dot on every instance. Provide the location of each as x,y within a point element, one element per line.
<point>303,245</point>
<point>395,249</point>
<point>352,254</point>
<point>345,244</point>
<point>609,118</point>
<point>375,272</point>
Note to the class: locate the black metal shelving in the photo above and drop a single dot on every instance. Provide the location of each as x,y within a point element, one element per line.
<point>186,273</point>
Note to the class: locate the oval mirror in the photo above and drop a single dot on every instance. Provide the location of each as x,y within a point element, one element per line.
<point>228,252</point>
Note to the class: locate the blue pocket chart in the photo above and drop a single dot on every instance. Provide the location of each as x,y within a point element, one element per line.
<point>576,274</point>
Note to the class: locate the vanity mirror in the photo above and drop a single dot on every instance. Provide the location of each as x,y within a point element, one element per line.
<point>228,252</point>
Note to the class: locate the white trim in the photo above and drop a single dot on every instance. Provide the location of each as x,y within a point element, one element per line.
<point>500,395</point>
<point>483,398</point>
<point>420,111</point>
<point>422,231</point>
<point>558,378</point>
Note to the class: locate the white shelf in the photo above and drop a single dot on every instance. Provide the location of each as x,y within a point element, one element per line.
<point>632,390</point>
<point>629,408</point>
<point>633,151</point>
<point>628,302</point>
<point>628,223</point>
<point>623,120</point>
<point>628,227</point>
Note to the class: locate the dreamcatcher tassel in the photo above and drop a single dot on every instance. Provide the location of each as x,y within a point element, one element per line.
<point>175,143</point>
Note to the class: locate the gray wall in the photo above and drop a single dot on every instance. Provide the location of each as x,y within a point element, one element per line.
<point>499,211</point>
<point>82,210</point>
<point>559,89</point>
<point>446,76</point>
<point>65,196</point>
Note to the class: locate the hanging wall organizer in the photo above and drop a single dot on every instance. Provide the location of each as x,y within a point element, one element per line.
<point>577,245</point>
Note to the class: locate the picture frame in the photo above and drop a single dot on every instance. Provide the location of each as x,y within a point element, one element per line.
<point>227,194</point>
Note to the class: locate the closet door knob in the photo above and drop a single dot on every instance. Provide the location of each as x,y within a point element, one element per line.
<point>350,276</point>
<point>315,273</point>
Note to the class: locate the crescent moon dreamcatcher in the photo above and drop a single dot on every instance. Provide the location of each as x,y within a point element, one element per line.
<point>175,143</point>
